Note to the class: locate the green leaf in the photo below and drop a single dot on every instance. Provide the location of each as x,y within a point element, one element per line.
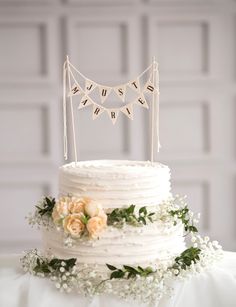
<point>42,267</point>
<point>186,257</point>
<point>140,269</point>
<point>130,269</point>
<point>143,210</point>
<point>47,206</point>
<point>117,274</point>
<point>193,228</point>
<point>127,215</point>
<point>130,210</point>
<point>130,275</point>
<point>142,219</point>
<point>111,267</point>
<point>84,219</point>
<point>54,261</point>
<point>70,262</point>
<point>45,269</point>
<point>149,270</point>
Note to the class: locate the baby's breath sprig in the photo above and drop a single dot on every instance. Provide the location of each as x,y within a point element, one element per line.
<point>119,217</point>
<point>54,265</point>
<point>42,216</point>
<point>184,215</point>
<point>39,264</point>
<point>61,271</point>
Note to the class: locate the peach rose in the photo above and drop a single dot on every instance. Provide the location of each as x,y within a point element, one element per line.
<point>68,205</point>
<point>95,225</point>
<point>60,210</point>
<point>73,225</point>
<point>76,205</point>
<point>103,216</point>
<point>93,208</point>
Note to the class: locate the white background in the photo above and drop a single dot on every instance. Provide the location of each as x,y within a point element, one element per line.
<point>112,41</point>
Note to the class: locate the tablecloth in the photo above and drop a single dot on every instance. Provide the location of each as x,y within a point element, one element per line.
<point>214,288</point>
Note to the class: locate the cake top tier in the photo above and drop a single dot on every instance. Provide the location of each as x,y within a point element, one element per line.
<point>116,183</point>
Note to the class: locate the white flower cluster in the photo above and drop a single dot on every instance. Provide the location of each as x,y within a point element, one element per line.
<point>211,252</point>
<point>64,280</point>
<point>167,212</point>
<point>29,261</point>
<point>93,280</point>
<point>148,289</point>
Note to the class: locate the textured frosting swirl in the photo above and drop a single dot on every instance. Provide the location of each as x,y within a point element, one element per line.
<point>131,245</point>
<point>116,183</point>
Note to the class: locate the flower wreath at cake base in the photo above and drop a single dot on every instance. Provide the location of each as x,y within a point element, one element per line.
<point>84,219</point>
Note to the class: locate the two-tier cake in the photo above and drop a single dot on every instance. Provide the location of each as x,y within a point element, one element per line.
<point>115,227</point>
<point>117,185</point>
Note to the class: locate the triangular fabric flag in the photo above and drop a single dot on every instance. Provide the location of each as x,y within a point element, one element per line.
<point>104,92</point>
<point>142,101</point>
<point>75,90</point>
<point>84,102</point>
<point>113,114</point>
<point>97,111</point>
<point>149,87</point>
<point>89,86</point>
<point>128,110</point>
<point>120,91</point>
<point>134,85</point>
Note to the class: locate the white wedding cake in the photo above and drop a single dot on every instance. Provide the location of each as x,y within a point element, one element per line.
<point>115,227</point>
<point>118,184</point>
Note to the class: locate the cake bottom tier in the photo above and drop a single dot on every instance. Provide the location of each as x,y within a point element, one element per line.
<point>130,245</point>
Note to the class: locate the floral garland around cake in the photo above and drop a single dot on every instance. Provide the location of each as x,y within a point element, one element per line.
<point>146,284</point>
<point>85,218</point>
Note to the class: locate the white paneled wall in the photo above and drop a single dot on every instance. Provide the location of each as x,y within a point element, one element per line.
<point>111,42</point>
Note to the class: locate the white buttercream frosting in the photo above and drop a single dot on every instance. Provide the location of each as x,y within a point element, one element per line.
<point>131,245</point>
<point>116,184</point>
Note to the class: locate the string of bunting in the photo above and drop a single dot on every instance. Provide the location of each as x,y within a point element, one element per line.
<point>72,87</point>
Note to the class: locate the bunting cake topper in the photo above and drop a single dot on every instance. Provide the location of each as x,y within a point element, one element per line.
<point>78,87</point>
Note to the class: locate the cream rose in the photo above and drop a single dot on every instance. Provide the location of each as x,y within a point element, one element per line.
<point>95,226</point>
<point>68,205</point>
<point>60,210</point>
<point>73,225</point>
<point>93,208</point>
<point>103,216</point>
<point>76,205</point>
